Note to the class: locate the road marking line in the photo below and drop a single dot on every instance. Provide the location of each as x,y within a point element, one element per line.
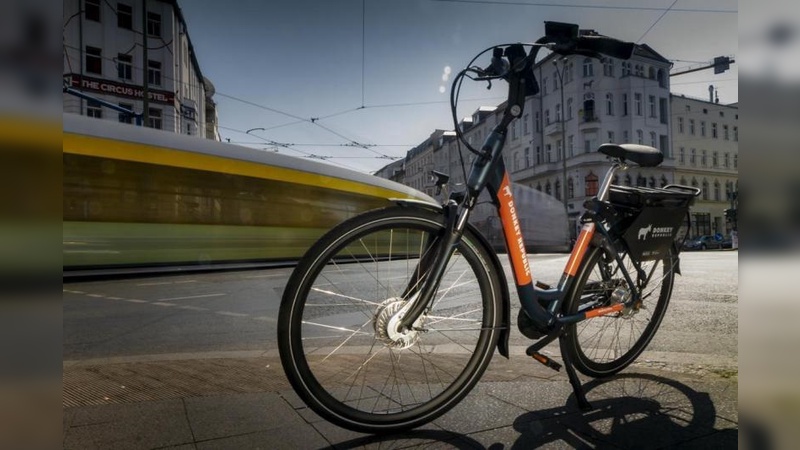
<point>266,318</point>
<point>133,300</point>
<point>192,296</point>
<point>272,275</point>
<point>115,298</point>
<point>193,308</point>
<point>162,283</point>
<point>163,304</point>
<point>95,295</point>
<point>232,314</point>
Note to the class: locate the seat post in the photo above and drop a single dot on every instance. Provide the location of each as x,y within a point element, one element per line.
<point>602,194</point>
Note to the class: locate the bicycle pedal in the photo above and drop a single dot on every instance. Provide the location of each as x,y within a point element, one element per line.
<point>546,361</point>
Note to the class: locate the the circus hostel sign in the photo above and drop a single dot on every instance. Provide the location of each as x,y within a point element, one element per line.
<point>102,86</point>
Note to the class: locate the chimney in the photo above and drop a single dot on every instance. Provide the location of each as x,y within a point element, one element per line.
<point>711,93</point>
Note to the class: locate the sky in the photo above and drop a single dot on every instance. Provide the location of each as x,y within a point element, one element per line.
<point>316,78</point>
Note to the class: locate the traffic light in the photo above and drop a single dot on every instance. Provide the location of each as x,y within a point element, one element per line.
<point>721,64</point>
<point>730,215</point>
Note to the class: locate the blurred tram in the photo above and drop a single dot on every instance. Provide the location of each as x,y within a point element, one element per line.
<point>136,198</point>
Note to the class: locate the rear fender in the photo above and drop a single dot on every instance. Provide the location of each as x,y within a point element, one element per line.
<point>494,262</point>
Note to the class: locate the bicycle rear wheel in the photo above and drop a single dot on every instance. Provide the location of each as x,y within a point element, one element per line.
<point>602,346</point>
<point>337,334</point>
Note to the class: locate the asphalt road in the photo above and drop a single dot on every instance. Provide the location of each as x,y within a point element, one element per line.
<point>237,311</point>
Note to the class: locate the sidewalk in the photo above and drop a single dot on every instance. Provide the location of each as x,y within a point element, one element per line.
<point>243,401</point>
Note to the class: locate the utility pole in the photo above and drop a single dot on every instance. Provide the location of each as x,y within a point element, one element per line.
<point>145,68</point>
<point>720,64</point>
<point>564,191</point>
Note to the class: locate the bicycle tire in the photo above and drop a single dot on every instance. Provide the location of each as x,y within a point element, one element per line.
<point>602,346</point>
<point>334,340</point>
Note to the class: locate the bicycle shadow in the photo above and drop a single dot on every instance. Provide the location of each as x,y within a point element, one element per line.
<point>631,410</point>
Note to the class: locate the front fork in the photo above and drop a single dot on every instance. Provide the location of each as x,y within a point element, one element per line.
<point>431,268</point>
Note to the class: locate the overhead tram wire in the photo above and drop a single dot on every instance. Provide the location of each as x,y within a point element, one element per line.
<point>588,6</point>
<point>656,22</point>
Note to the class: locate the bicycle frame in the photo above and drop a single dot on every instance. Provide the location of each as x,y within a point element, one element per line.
<point>490,173</point>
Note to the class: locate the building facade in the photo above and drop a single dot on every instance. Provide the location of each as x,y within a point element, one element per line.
<point>136,54</point>
<point>705,138</point>
<point>585,102</point>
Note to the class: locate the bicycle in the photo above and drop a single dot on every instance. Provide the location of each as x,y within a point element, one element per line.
<point>391,318</point>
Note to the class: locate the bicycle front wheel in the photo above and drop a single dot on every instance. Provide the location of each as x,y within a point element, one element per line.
<point>602,346</point>
<point>337,331</point>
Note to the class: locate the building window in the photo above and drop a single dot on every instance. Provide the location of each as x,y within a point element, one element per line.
<point>651,73</point>
<point>571,145</point>
<point>570,188</point>
<point>539,187</point>
<point>569,109</point>
<point>639,70</point>
<point>588,68</point>
<point>725,134</point>
<point>736,134</point>
<point>548,153</point>
<point>153,24</point>
<point>93,109</point>
<point>548,189</point>
<point>588,111</point>
<point>124,16</point>
<point>691,127</point>
<point>715,159</point>
<point>662,79</point>
<point>591,184</point>
<point>558,189</point>
<point>680,125</point>
<point>703,159</point>
<point>625,137</point>
<point>94,60</point>
<point>537,122</point>
<point>555,80</point>
<point>637,100</point>
<point>682,155</point>
<point>714,130</point>
<point>705,190</point>
<point>653,139</point>
<point>735,161</point>
<point>703,128</point>
<point>587,146</point>
<point>558,112</point>
<point>717,196</point>
<point>611,137</point>
<point>641,181</point>
<point>664,181</point>
<point>624,104</point>
<point>639,137</point>
<point>610,104</point>
<point>628,180</point>
<point>123,117</point>
<point>568,72</point>
<point>626,69</point>
<point>154,73</point>
<point>527,157</point>
<point>514,134</point>
<point>538,156</point>
<point>91,10</point>
<point>544,86</point>
<point>547,116</point>
<point>651,100</point>
<point>693,157</point>
<point>525,127</point>
<point>662,107</point>
<point>608,67</point>
<point>124,66</point>
<point>154,119</point>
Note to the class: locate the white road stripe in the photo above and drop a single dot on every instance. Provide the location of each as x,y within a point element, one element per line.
<point>232,314</point>
<point>133,300</point>
<point>162,283</point>
<point>163,304</point>
<point>193,296</point>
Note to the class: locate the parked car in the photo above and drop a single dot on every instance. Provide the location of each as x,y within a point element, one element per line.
<point>703,243</point>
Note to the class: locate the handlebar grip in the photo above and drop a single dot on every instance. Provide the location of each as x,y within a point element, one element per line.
<point>606,46</point>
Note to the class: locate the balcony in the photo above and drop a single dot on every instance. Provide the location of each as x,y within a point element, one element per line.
<point>552,128</point>
<point>589,122</point>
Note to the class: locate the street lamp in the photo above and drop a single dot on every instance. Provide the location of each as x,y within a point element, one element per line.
<point>560,73</point>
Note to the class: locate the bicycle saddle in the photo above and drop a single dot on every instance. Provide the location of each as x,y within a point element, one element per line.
<point>642,155</point>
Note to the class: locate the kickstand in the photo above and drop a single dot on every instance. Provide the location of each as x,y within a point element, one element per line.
<point>580,395</point>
